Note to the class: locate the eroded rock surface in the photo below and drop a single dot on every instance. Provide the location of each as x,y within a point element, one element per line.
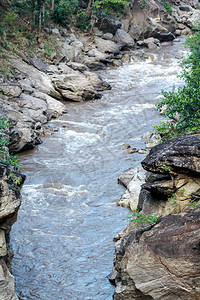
<point>182,153</point>
<point>162,261</point>
<point>11,182</point>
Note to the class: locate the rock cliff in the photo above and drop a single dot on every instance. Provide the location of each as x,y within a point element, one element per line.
<point>162,261</point>
<point>11,182</point>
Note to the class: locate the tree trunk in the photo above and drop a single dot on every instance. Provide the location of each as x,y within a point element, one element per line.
<point>40,19</point>
<point>88,8</point>
<point>34,13</point>
<point>52,6</point>
<point>43,11</point>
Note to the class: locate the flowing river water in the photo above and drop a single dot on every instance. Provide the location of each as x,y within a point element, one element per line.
<point>68,218</point>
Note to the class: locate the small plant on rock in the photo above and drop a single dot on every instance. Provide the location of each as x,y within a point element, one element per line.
<point>143,220</point>
<point>167,6</point>
<point>5,156</point>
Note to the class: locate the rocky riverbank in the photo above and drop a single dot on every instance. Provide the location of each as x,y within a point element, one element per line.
<point>36,92</point>
<point>31,94</point>
<point>11,182</point>
<point>162,261</point>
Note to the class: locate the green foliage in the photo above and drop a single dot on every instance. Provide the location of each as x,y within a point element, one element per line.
<point>143,220</point>
<point>182,105</point>
<point>165,169</point>
<point>175,197</point>
<point>10,17</point>
<point>14,181</point>
<point>64,10</point>
<point>168,7</point>
<point>109,6</point>
<point>12,160</point>
<point>4,142</point>
<point>143,4</point>
<point>82,20</point>
<point>194,203</point>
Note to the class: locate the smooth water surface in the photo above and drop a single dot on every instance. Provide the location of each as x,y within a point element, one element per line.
<point>63,237</point>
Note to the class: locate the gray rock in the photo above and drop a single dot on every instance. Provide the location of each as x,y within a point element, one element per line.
<point>107,36</point>
<point>185,8</point>
<point>41,45</point>
<point>77,66</point>
<point>107,46</point>
<point>39,64</point>
<point>97,32</point>
<point>107,24</point>
<point>68,51</point>
<point>75,87</point>
<point>72,37</point>
<point>97,82</point>
<point>26,86</point>
<point>132,179</point>
<point>91,53</point>
<point>95,66</point>
<point>10,199</point>
<point>38,79</point>
<point>11,90</point>
<point>54,107</point>
<point>124,38</point>
<point>56,32</point>
<point>7,286</point>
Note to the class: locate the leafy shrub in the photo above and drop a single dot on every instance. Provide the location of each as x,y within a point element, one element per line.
<point>143,3</point>
<point>4,142</point>
<point>182,105</point>
<point>109,5</point>
<point>143,220</point>
<point>168,7</point>
<point>82,20</point>
<point>63,11</point>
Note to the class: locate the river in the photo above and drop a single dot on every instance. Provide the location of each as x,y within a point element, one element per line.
<point>63,239</point>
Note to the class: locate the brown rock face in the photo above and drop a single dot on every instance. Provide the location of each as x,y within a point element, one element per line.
<point>163,263</point>
<point>10,183</point>
<point>179,154</point>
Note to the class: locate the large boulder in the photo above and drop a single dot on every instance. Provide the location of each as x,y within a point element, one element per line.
<point>75,87</point>
<point>161,263</point>
<point>38,79</point>
<point>180,154</point>
<point>54,107</point>
<point>107,24</point>
<point>27,114</point>
<point>107,46</point>
<point>123,37</point>
<point>151,21</point>
<point>11,90</point>
<point>24,131</point>
<point>176,166</point>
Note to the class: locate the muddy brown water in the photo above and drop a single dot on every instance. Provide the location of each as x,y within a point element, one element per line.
<point>63,239</point>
